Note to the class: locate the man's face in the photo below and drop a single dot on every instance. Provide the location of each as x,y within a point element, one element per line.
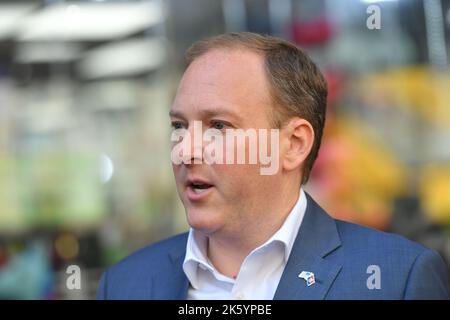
<point>224,89</point>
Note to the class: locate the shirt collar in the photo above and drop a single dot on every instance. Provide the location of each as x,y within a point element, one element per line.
<point>288,231</point>
<point>196,248</point>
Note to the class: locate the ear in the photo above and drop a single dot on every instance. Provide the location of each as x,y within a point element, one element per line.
<point>298,136</point>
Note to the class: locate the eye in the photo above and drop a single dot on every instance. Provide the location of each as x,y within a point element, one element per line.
<point>177,125</point>
<point>220,125</point>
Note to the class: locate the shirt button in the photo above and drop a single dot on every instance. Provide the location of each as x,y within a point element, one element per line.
<point>240,296</point>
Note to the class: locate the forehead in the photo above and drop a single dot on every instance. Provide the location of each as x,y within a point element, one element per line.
<point>235,78</point>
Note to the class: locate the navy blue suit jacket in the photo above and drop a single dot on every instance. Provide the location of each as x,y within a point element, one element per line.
<point>345,259</point>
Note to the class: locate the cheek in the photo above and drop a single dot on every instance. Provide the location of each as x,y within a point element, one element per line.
<point>238,181</point>
<point>178,176</point>
<point>241,176</point>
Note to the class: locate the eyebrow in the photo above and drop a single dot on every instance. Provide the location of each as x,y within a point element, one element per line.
<point>210,113</point>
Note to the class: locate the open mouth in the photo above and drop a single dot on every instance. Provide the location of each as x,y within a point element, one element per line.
<point>199,187</point>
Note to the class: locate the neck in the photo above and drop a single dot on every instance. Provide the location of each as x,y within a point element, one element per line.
<point>227,255</point>
<point>227,252</point>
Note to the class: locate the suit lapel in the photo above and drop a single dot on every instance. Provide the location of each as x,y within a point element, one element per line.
<point>317,237</point>
<point>172,284</point>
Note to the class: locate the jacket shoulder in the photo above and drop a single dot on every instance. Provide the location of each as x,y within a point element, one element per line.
<point>407,269</point>
<point>360,237</point>
<point>152,255</point>
<point>131,277</point>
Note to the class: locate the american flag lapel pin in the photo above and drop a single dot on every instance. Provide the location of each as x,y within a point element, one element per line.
<point>308,276</point>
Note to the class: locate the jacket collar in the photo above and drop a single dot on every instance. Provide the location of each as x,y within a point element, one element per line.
<point>318,237</point>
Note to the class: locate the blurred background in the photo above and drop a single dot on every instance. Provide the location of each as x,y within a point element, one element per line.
<point>85,89</point>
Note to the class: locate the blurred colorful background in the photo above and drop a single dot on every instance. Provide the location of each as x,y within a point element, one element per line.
<point>85,89</point>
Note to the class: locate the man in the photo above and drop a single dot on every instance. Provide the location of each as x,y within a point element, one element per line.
<point>254,235</point>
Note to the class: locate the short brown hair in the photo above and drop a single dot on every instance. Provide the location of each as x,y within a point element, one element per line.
<point>298,86</point>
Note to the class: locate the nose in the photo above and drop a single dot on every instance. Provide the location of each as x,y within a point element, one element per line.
<point>193,144</point>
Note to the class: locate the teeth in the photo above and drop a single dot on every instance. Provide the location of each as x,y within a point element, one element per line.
<point>196,190</point>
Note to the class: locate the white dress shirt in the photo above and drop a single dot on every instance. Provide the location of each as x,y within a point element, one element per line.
<point>260,272</point>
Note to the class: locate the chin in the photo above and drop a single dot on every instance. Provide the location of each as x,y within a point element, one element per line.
<point>203,221</point>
